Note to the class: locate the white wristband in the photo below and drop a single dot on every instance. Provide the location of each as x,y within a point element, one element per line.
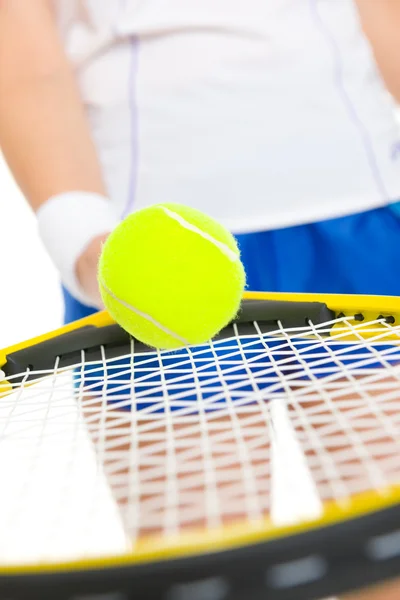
<point>67,224</point>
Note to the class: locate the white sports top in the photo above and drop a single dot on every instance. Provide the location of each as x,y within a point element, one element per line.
<point>263,113</point>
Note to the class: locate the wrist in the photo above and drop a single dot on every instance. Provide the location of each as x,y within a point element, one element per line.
<point>68,223</point>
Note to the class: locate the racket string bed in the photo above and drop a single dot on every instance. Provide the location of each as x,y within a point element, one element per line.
<point>264,428</point>
<point>189,438</point>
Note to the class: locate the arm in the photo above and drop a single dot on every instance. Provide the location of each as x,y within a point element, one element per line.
<point>44,134</point>
<point>380,20</point>
<point>43,130</point>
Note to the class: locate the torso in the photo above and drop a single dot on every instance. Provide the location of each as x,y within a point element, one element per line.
<point>263,114</point>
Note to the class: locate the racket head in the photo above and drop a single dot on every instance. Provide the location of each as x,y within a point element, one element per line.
<point>223,404</point>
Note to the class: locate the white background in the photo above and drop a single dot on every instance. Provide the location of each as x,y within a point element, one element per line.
<point>30,295</point>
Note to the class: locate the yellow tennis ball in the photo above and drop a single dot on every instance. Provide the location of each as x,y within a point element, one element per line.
<point>171,276</point>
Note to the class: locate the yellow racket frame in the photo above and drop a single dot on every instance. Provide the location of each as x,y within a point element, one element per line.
<point>370,306</point>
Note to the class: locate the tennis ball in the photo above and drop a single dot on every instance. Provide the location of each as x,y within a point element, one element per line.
<point>171,276</point>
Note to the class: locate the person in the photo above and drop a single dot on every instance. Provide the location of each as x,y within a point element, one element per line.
<point>272,117</point>
<point>276,118</point>
<point>388,591</point>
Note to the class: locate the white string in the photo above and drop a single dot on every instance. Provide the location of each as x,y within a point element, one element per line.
<point>133,512</point>
<point>291,476</point>
<point>170,485</point>
<point>212,501</point>
<point>378,478</point>
<point>251,500</point>
<point>201,436</point>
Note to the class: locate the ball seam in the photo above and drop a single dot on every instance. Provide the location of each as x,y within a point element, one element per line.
<point>144,315</point>
<point>228,252</point>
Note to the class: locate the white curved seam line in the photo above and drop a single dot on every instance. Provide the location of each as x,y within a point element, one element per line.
<point>231,254</point>
<point>144,315</point>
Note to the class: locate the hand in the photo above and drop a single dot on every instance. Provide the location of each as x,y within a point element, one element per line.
<point>388,591</point>
<point>86,269</point>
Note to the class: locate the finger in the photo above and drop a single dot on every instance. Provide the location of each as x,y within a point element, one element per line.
<point>389,591</point>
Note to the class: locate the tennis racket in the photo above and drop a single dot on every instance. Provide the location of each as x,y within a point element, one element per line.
<point>264,464</point>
